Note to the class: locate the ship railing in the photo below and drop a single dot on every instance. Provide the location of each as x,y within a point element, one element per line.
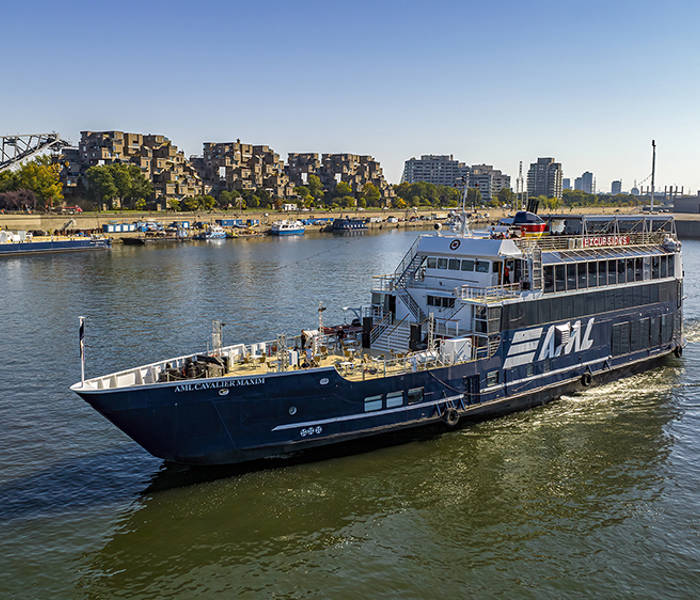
<point>491,293</point>
<point>592,240</point>
<point>383,283</point>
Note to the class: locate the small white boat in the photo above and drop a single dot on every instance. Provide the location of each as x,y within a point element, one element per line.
<point>287,228</point>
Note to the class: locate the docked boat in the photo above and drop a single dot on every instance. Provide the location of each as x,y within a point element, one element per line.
<point>466,327</point>
<point>287,227</point>
<point>23,243</point>
<point>212,232</point>
<point>348,224</point>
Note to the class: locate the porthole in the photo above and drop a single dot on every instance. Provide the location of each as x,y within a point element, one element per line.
<point>292,410</point>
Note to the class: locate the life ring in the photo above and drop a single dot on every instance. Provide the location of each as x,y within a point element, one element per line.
<point>451,417</point>
<point>678,351</point>
<point>586,379</point>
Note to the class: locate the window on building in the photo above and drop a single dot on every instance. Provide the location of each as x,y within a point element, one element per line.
<point>373,403</point>
<point>394,399</point>
<point>467,265</point>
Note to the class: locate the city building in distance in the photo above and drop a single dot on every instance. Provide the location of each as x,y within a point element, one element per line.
<point>160,161</point>
<point>437,169</point>
<point>544,178</point>
<point>566,183</point>
<point>488,181</point>
<point>584,183</point>
<point>616,187</point>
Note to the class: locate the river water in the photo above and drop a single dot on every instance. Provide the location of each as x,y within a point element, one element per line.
<point>595,495</point>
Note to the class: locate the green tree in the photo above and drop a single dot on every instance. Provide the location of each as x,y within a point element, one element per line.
<point>101,184</point>
<point>173,204</point>
<point>347,201</point>
<point>190,203</point>
<point>506,196</point>
<point>42,179</point>
<point>370,194</point>
<point>343,189</point>
<point>399,203</point>
<point>140,204</point>
<point>315,187</point>
<point>473,196</point>
<point>9,181</point>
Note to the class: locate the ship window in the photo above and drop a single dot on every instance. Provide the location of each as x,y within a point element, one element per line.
<point>612,272</point>
<point>467,265</point>
<point>441,263</point>
<point>491,378</point>
<point>671,265</point>
<point>664,266</point>
<point>373,403</point>
<point>630,270</point>
<point>559,278</point>
<point>621,273</point>
<point>549,279</point>
<point>496,267</point>
<point>655,267</point>
<point>638,271</point>
<point>414,395</point>
<point>482,266</point>
<point>602,272</point>
<point>592,275</point>
<point>571,276</point>
<point>529,370</point>
<point>432,262</point>
<point>454,264</point>
<point>394,399</point>
<point>582,276</point>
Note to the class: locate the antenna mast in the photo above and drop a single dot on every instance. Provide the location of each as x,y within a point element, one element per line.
<point>653,171</point>
<point>519,185</point>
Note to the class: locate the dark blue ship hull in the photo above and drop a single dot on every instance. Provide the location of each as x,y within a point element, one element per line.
<point>231,420</point>
<point>21,248</point>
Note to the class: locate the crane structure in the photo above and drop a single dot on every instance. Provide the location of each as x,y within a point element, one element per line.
<point>16,148</point>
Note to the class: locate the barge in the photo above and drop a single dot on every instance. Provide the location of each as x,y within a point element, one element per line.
<point>22,244</point>
<point>468,326</point>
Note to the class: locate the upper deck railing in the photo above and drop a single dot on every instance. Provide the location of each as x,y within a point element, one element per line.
<point>592,241</point>
<point>488,294</point>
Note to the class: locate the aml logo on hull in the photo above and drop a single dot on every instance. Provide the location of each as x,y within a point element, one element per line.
<point>559,340</point>
<point>214,385</point>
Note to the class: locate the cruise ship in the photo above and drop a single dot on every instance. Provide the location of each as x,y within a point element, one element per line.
<point>468,326</point>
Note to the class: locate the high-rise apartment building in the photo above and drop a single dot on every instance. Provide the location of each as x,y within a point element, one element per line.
<point>584,183</point>
<point>544,178</point>
<point>566,183</point>
<point>616,187</point>
<point>487,180</point>
<point>436,169</point>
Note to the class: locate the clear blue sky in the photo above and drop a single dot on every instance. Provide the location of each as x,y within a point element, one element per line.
<point>589,83</point>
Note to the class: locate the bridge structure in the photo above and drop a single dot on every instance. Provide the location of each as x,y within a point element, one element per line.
<point>16,148</point>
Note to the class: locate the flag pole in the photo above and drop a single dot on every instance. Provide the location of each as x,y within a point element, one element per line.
<point>82,349</point>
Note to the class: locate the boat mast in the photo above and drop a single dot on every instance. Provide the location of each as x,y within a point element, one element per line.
<point>653,171</point>
<point>464,205</point>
